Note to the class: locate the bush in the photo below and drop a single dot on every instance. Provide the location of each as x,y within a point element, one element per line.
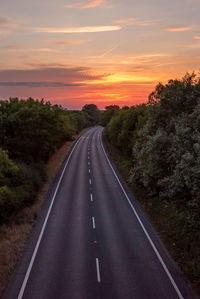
<point>166,156</point>
<point>162,144</point>
<point>30,131</point>
<point>123,128</point>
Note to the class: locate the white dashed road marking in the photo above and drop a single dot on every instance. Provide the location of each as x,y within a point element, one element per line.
<point>91,197</point>
<point>93,223</point>
<point>98,270</point>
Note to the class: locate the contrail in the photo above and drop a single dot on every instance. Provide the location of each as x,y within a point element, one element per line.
<point>110,50</point>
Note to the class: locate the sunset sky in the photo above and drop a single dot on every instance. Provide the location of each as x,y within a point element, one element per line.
<point>95,51</point>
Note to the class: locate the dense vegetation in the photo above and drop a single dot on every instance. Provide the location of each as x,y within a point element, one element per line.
<point>93,114</point>
<point>30,131</point>
<point>161,142</point>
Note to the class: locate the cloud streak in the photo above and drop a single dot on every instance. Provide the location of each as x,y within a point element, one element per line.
<point>178,28</point>
<point>37,84</point>
<point>71,42</point>
<point>52,77</point>
<point>86,29</point>
<point>133,21</point>
<point>86,4</point>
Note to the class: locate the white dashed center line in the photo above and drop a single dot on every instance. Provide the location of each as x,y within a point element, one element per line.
<point>91,197</point>
<point>98,270</point>
<point>93,223</point>
<point>89,170</point>
<point>90,181</point>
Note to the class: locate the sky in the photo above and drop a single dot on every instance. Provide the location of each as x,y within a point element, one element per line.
<point>76,52</point>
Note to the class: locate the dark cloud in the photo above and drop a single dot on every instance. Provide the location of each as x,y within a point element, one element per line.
<point>67,75</point>
<point>37,84</point>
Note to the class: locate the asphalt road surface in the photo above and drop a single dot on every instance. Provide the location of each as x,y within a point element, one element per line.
<point>92,241</point>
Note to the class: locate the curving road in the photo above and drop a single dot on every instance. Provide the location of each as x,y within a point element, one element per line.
<point>92,240</point>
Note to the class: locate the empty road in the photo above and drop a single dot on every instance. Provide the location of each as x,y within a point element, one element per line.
<point>92,241</point>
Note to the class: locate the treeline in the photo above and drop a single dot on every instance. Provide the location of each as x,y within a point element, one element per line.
<point>30,131</point>
<point>161,141</point>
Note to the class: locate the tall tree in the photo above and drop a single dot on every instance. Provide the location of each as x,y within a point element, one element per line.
<point>93,113</point>
<point>108,114</point>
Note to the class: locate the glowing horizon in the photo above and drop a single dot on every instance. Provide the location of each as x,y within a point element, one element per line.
<point>95,51</point>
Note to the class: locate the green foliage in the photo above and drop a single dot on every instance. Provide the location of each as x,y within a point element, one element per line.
<point>171,100</point>
<point>123,127</point>
<point>30,131</point>
<point>161,140</point>
<point>108,114</point>
<point>93,114</point>
<point>8,168</point>
<point>33,129</point>
<point>166,155</point>
<point>19,184</point>
<point>79,119</point>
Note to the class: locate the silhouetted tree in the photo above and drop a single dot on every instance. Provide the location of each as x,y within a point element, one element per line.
<point>93,113</point>
<point>108,114</point>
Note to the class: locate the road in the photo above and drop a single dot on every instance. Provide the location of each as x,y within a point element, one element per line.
<point>92,239</point>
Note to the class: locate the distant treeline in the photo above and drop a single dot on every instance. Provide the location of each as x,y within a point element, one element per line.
<point>161,141</point>
<point>30,131</point>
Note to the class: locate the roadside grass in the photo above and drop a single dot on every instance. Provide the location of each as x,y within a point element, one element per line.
<point>169,221</point>
<point>14,235</point>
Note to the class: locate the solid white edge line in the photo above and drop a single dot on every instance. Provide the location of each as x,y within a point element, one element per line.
<point>144,229</point>
<point>98,270</point>
<point>21,293</point>
<point>93,223</point>
<point>91,197</point>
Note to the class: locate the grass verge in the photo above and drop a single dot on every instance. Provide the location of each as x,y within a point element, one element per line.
<point>169,221</point>
<point>14,235</point>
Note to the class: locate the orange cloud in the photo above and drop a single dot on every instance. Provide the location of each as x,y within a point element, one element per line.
<point>86,4</point>
<point>87,29</point>
<point>124,60</point>
<point>93,3</point>
<point>126,21</point>
<point>178,28</point>
<point>122,77</point>
<point>197,36</point>
<point>71,42</point>
<point>44,50</point>
<point>133,21</point>
<point>17,49</point>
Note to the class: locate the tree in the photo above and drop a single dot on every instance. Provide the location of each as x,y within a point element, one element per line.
<point>108,114</point>
<point>123,126</point>
<point>93,113</point>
